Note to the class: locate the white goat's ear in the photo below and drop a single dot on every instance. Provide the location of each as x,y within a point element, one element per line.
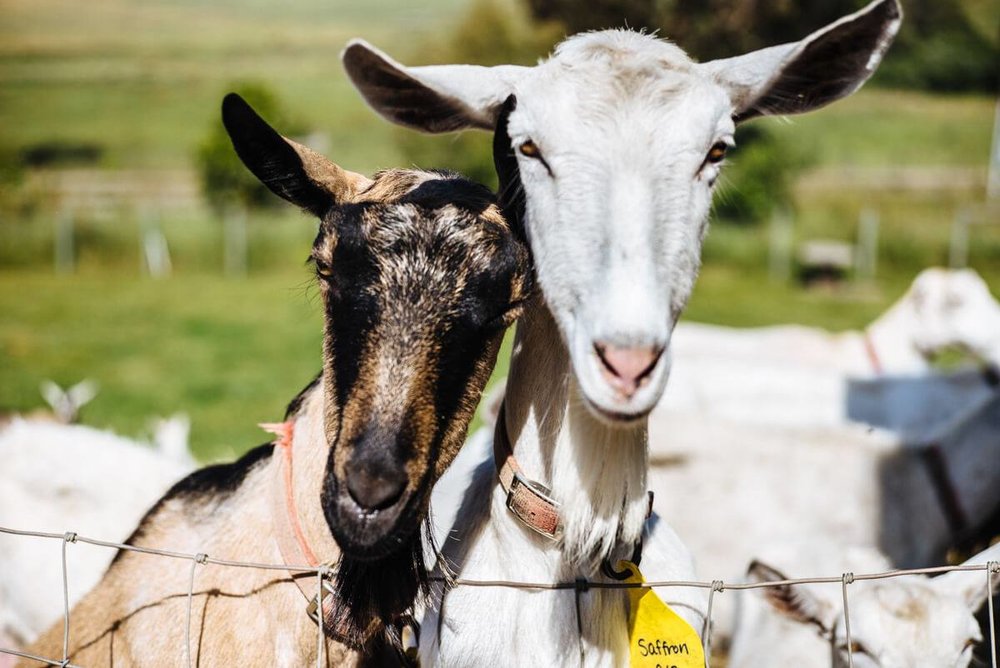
<point>827,65</point>
<point>971,585</point>
<point>792,601</point>
<point>83,392</point>
<point>54,395</point>
<point>436,98</point>
<point>289,169</point>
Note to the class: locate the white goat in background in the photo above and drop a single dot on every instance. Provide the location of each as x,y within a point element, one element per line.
<point>798,376</point>
<point>731,488</point>
<point>70,477</point>
<point>616,143</point>
<point>972,316</point>
<point>64,405</point>
<point>900,622</point>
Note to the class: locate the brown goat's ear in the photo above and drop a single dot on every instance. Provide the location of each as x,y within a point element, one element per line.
<point>792,601</point>
<point>290,170</point>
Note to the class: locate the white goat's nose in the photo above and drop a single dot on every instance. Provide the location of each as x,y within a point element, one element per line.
<point>627,369</point>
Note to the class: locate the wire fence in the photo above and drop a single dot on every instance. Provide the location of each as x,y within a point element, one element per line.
<point>990,569</point>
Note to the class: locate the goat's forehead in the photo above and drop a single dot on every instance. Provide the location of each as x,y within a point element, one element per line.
<point>620,97</point>
<point>626,49</point>
<point>409,242</point>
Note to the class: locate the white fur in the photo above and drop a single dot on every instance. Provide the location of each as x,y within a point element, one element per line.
<point>624,123</point>
<point>59,478</point>
<point>900,622</point>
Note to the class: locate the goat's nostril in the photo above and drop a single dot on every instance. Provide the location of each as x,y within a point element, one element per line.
<point>375,490</point>
<point>627,369</point>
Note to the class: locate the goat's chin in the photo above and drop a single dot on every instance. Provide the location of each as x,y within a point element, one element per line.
<point>618,420</point>
<point>377,593</point>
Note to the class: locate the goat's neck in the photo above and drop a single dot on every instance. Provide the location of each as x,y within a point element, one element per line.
<point>309,455</point>
<point>891,338</point>
<point>596,472</point>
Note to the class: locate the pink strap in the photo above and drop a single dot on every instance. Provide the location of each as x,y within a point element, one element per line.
<point>288,534</point>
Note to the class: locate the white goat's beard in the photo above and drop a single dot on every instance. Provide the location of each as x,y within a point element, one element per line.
<point>600,480</point>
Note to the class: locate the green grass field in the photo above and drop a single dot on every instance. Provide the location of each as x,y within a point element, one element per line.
<point>143,80</point>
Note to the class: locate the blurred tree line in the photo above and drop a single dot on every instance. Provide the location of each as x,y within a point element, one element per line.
<point>938,48</point>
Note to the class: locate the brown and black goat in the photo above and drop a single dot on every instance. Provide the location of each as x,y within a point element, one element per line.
<point>420,275</point>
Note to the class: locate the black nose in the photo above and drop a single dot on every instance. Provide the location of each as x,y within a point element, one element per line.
<point>375,487</point>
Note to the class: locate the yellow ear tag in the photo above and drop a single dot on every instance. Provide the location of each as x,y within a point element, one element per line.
<point>657,636</point>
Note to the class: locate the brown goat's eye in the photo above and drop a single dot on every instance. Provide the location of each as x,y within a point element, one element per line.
<point>529,149</point>
<point>324,271</point>
<point>717,153</point>
<point>507,318</point>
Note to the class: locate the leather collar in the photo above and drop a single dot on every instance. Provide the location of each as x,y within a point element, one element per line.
<point>530,500</point>
<point>527,499</point>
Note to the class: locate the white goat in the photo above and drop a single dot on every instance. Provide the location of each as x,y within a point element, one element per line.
<point>731,488</point>
<point>899,622</point>
<point>799,376</point>
<point>64,405</point>
<point>58,478</point>
<point>617,141</point>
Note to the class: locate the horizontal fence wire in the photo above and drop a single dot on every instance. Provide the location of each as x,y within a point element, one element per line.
<point>990,568</point>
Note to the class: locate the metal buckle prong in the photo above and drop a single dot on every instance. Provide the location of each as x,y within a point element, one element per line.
<point>314,606</point>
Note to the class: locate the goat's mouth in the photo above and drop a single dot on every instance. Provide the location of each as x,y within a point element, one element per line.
<point>372,533</point>
<point>617,418</point>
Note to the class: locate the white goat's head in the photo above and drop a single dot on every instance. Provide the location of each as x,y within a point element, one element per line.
<point>954,308</point>
<point>619,138</point>
<point>895,623</point>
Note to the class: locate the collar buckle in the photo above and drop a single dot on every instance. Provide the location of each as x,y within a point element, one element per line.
<point>531,504</point>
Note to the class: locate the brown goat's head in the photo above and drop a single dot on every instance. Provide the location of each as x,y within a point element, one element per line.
<point>420,276</point>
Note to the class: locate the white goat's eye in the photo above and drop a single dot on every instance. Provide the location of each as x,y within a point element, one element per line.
<point>529,149</point>
<point>717,152</point>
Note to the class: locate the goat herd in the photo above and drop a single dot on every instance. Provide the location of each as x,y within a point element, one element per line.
<point>773,453</point>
